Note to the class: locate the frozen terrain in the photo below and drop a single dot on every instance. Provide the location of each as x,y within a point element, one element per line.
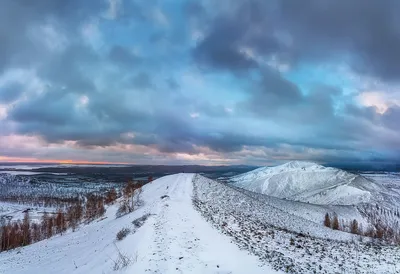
<point>309,190</point>
<point>15,212</point>
<point>288,242</point>
<point>175,238</point>
<point>18,186</point>
<point>191,224</point>
<point>310,182</point>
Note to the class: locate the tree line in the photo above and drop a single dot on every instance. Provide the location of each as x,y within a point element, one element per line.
<point>71,213</point>
<point>378,229</point>
<point>21,233</point>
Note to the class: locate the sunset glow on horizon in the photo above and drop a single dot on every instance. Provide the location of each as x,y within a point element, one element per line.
<point>44,161</point>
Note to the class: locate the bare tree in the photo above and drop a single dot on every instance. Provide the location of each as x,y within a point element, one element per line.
<point>354,227</point>
<point>26,232</point>
<point>327,221</point>
<point>335,223</point>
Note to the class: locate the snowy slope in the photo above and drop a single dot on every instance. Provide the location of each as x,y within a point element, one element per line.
<point>286,241</point>
<point>174,239</point>
<point>310,182</point>
<point>311,212</point>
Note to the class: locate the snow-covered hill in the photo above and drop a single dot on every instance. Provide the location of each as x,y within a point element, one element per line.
<point>192,224</point>
<point>175,238</point>
<point>310,182</point>
<point>287,241</point>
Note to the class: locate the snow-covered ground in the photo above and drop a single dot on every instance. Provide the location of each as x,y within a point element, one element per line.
<point>49,186</point>
<point>24,166</point>
<point>310,182</point>
<point>191,224</point>
<point>391,183</point>
<point>15,212</point>
<point>309,191</point>
<point>286,241</point>
<point>311,212</point>
<point>14,172</point>
<point>175,238</point>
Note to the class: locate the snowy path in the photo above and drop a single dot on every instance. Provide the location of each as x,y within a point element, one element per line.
<point>183,242</point>
<point>174,239</point>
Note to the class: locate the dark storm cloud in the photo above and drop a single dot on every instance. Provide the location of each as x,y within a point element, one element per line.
<point>55,116</point>
<point>247,25</point>
<point>56,113</point>
<point>69,69</point>
<point>221,48</point>
<point>230,142</point>
<point>18,18</point>
<point>101,93</point>
<point>52,108</point>
<point>391,118</point>
<point>66,72</point>
<point>280,100</point>
<point>366,32</point>
<point>274,90</point>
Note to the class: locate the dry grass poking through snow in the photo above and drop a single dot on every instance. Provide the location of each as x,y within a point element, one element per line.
<point>123,260</point>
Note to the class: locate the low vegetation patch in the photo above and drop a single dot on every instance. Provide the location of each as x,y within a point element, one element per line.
<point>140,221</point>
<point>131,199</point>
<point>123,260</point>
<point>378,230</point>
<point>123,233</point>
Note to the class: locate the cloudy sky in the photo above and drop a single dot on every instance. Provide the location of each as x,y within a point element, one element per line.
<point>200,82</point>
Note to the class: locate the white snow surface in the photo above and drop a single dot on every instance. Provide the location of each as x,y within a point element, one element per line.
<point>14,172</point>
<point>309,182</point>
<point>284,239</point>
<point>174,239</point>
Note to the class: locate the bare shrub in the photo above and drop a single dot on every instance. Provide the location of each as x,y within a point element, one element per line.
<point>140,221</point>
<point>136,198</point>
<point>123,233</point>
<point>123,260</point>
<point>131,199</point>
<point>123,208</point>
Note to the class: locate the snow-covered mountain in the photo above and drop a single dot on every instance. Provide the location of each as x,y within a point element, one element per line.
<point>310,182</point>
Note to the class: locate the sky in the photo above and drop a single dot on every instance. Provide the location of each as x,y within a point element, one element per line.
<point>200,82</point>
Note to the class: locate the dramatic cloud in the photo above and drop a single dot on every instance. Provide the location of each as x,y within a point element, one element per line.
<point>240,82</point>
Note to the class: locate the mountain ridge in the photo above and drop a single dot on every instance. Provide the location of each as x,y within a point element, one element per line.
<point>309,182</point>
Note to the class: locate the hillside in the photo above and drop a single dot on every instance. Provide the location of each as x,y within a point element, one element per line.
<point>287,241</point>
<point>173,239</point>
<point>311,183</point>
<point>191,224</point>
